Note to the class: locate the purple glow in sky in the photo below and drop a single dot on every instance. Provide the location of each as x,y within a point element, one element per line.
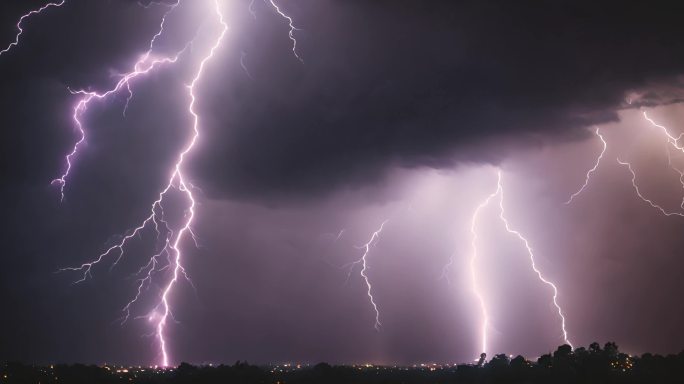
<point>283,209</point>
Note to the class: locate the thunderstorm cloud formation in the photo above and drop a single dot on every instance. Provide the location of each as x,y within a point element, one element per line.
<point>400,112</point>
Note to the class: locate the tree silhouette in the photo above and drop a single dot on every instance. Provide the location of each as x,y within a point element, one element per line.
<point>593,365</point>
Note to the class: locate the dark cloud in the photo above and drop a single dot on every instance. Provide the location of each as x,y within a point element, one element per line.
<point>424,83</point>
<point>84,44</point>
<point>80,45</point>
<point>384,85</point>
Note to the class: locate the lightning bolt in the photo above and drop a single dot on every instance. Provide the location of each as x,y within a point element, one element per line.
<point>502,216</point>
<point>174,239</point>
<point>641,196</point>
<point>20,28</point>
<point>183,186</point>
<point>679,172</point>
<point>291,32</point>
<point>169,260</point>
<point>143,66</point>
<point>499,192</point>
<point>592,170</point>
<point>473,270</point>
<point>673,141</point>
<point>290,23</point>
<point>673,144</point>
<point>363,261</point>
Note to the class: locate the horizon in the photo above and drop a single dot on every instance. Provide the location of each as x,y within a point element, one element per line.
<point>310,364</point>
<point>298,365</point>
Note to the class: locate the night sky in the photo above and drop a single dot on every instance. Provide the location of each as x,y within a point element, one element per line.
<point>400,110</point>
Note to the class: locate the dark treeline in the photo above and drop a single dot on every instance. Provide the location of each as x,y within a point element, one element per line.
<point>565,365</point>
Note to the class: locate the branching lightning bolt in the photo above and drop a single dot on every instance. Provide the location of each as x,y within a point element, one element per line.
<point>177,181</point>
<point>144,65</point>
<point>642,197</point>
<point>20,29</point>
<point>673,144</point>
<point>363,261</point>
<point>499,192</point>
<point>673,141</point>
<point>592,170</point>
<point>184,187</point>
<point>290,23</point>
<point>502,216</point>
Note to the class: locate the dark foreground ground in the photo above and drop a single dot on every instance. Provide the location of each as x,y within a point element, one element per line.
<point>592,365</point>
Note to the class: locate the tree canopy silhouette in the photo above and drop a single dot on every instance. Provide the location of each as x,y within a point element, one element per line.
<point>595,364</point>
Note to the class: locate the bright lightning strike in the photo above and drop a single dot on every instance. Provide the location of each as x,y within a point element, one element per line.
<point>642,197</point>
<point>185,187</point>
<point>502,216</point>
<point>473,270</point>
<point>143,66</point>
<point>674,144</point>
<point>363,261</point>
<point>499,192</point>
<point>169,260</point>
<point>673,141</point>
<point>20,28</point>
<point>174,239</point>
<point>592,170</point>
<point>290,23</point>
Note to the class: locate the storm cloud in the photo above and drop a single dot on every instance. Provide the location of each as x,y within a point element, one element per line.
<point>397,111</point>
<point>408,83</point>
